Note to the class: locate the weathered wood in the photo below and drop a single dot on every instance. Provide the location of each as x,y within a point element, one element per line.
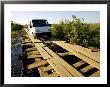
<point>78,64</point>
<point>61,67</point>
<point>38,59</point>
<point>34,56</point>
<point>86,69</point>
<point>49,67</point>
<point>70,69</point>
<point>96,74</point>
<point>65,54</point>
<point>28,45</point>
<point>45,74</point>
<point>53,75</point>
<point>41,72</point>
<point>79,55</point>
<point>31,49</point>
<point>26,41</point>
<point>44,71</point>
<point>37,45</point>
<point>32,53</point>
<point>58,67</point>
<point>85,51</point>
<point>37,64</point>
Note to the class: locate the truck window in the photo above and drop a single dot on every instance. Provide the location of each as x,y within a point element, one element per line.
<point>39,23</point>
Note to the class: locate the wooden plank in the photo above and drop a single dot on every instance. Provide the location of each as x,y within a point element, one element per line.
<point>28,45</point>
<point>82,50</point>
<point>70,69</point>
<point>37,64</point>
<point>45,74</point>
<point>64,54</point>
<point>78,64</point>
<point>86,69</point>
<point>96,74</point>
<point>31,49</point>
<point>26,41</point>
<point>85,51</point>
<point>49,67</point>
<point>42,51</point>
<point>81,56</point>
<point>59,68</point>
<point>54,75</point>
<point>38,59</point>
<point>33,53</point>
<point>34,56</point>
<point>41,72</point>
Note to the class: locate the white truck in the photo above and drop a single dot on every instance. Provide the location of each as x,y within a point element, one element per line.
<point>39,27</point>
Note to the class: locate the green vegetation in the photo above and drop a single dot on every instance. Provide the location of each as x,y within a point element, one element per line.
<point>15,28</point>
<point>14,34</point>
<point>78,32</point>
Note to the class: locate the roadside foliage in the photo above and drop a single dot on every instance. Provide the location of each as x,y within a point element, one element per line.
<point>78,32</point>
<point>15,28</point>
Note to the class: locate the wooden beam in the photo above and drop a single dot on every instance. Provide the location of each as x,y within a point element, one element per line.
<point>45,74</point>
<point>37,64</point>
<point>64,54</point>
<point>79,55</point>
<point>85,51</point>
<point>70,69</point>
<point>59,68</point>
<point>49,67</point>
<point>86,69</point>
<point>54,75</point>
<point>31,49</point>
<point>96,74</point>
<point>34,56</point>
<point>41,72</point>
<point>78,64</point>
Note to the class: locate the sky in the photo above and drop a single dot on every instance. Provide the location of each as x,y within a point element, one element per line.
<point>23,17</point>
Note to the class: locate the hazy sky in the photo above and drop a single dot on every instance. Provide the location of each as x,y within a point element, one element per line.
<point>54,16</point>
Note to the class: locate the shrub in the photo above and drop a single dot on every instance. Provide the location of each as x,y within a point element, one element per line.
<point>77,31</point>
<point>15,26</point>
<point>14,34</point>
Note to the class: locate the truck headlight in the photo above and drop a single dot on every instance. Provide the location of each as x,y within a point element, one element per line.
<point>49,29</point>
<point>38,30</point>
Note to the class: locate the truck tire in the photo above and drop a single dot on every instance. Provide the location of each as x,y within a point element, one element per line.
<point>49,35</point>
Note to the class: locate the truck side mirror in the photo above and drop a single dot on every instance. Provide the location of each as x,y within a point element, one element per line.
<point>30,26</point>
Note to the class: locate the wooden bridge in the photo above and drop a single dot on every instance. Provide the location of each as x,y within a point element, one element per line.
<point>56,58</point>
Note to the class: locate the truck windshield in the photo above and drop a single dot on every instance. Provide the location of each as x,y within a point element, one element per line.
<point>39,23</point>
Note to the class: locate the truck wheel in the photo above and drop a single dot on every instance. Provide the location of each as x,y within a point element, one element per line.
<point>49,35</point>
<point>37,35</point>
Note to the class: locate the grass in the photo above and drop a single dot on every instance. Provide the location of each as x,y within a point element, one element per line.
<point>14,34</point>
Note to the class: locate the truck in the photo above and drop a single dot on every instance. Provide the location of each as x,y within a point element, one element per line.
<point>39,27</point>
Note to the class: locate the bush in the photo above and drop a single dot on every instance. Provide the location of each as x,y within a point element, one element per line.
<point>15,26</point>
<point>14,34</point>
<point>78,32</point>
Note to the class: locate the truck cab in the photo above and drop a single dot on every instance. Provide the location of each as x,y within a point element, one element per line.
<point>39,27</point>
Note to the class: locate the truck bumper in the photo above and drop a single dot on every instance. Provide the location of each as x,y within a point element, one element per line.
<point>42,34</point>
